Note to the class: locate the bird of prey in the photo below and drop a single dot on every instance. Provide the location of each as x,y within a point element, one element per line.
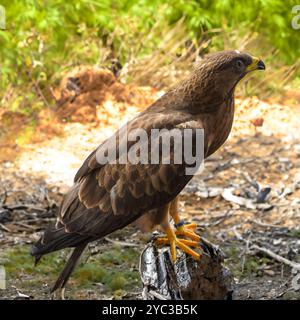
<point>108,196</point>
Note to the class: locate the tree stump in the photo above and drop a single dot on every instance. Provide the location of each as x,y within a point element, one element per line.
<point>187,279</point>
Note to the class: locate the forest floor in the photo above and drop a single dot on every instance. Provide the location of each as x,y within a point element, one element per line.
<point>247,200</point>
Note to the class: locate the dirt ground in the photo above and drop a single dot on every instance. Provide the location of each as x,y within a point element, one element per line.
<point>247,199</point>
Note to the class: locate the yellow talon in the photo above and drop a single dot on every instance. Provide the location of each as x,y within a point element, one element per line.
<point>174,242</point>
<point>165,241</point>
<point>192,226</point>
<point>187,249</point>
<point>185,231</point>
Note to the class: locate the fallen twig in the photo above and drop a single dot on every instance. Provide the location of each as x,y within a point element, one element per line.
<point>3,201</point>
<point>267,225</point>
<point>5,228</point>
<point>275,256</point>
<point>248,203</point>
<point>23,207</point>
<point>121,243</point>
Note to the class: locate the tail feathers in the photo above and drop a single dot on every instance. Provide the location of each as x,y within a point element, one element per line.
<point>69,267</point>
<point>55,239</point>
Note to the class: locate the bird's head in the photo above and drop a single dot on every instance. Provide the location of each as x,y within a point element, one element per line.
<point>228,67</point>
<point>235,62</point>
<point>214,79</point>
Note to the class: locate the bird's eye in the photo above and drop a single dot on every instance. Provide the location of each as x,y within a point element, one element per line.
<point>239,64</point>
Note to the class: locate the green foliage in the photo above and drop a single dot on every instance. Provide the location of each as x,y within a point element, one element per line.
<point>243,265</point>
<point>116,268</point>
<point>295,233</point>
<point>43,38</point>
<point>18,260</point>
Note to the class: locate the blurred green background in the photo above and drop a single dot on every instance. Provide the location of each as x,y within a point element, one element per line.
<point>45,38</point>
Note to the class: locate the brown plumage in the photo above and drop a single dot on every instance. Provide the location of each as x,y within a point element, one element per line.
<point>108,197</point>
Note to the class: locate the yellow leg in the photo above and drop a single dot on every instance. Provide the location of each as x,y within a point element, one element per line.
<point>191,226</point>
<point>174,242</point>
<point>182,229</point>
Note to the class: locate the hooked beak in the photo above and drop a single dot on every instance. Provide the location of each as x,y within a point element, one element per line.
<point>256,64</point>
